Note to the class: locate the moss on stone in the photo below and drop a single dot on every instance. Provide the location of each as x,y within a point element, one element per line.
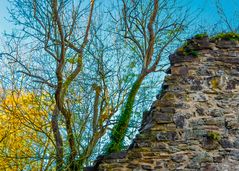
<point>200,36</point>
<point>230,36</point>
<point>193,53</point>
<point>186,50</point>
<point>169,96</point>
<point>214,135</point>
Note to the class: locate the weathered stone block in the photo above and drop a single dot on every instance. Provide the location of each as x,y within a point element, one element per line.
<point>119,155</point>
<point>225,143</point>
<point>209,167</point>
<point>179,121</point>
<point>236,143</point>
<point>232,84</point>
<point>209,143</point>
<point>234,154</point>
<point>179,157</point>
<point>217,112</point>
<point>214,121</point>
<point>147,167</point>
<point>133,166</point>
<point>162,136</point>
<point>163,117</point>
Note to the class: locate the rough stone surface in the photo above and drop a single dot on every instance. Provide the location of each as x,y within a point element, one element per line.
<point>194,124</point>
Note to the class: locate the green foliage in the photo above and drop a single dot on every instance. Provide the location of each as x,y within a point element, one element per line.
<point>231,36</point>
<point>132,64</point>
<point>214,135</point>
<point>192,53</point>
<point>72,60</point>
<point>187,51</point>
<point>120,129</point>
<point>187,48</point>
<point>201,35</point>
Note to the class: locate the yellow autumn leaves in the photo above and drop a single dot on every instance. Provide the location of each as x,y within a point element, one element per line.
<point>24,131</point>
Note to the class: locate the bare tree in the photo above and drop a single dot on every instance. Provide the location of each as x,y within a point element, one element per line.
<point>56,27</point>
<point>231,23</point>
<point>148,28</point>
<point>55,44</point>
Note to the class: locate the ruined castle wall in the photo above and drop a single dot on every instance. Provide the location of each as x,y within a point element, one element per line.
<point>194,123</point>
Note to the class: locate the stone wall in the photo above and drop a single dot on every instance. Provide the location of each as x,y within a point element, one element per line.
<point>194,123</point>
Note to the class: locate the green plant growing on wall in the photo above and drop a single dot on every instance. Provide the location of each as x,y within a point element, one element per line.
<point>231,36</point>
<point>119,131</point>
<point>200,36</point>
<point>214,135</point>
<point>186,50</point>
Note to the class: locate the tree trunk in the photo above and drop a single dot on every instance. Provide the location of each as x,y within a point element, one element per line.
<point>58,139</point>
<point>71,141</point>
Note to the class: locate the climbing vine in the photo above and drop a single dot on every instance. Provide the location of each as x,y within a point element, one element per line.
<point>120,129</point>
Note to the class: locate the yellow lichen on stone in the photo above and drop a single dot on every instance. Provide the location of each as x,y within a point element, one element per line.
<point>214,83</point>
<point>169,96</point>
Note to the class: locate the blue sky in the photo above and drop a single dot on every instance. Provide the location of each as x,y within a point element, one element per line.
<point>4,25</point>
<point>208,14</point>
